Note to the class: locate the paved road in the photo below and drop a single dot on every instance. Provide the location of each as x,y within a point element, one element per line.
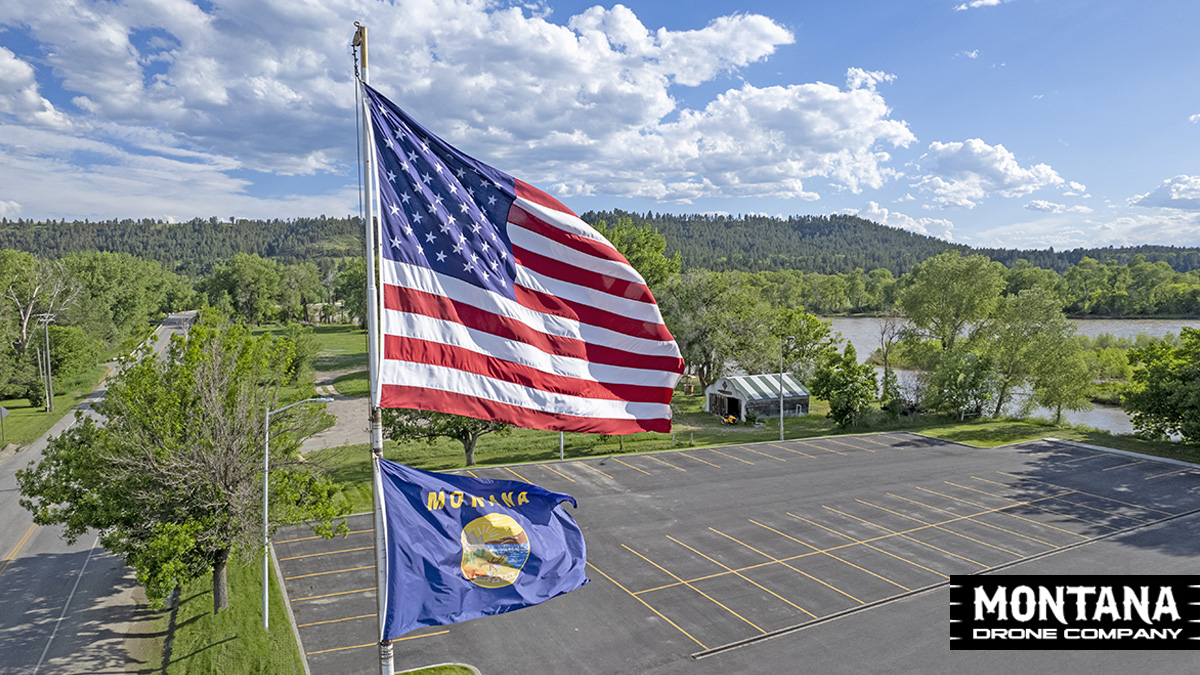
<point>66,608</point>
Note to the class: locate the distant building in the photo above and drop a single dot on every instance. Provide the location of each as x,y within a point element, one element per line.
<point>757,394</point>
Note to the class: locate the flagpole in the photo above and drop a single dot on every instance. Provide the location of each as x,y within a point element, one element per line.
<point>386,663</point>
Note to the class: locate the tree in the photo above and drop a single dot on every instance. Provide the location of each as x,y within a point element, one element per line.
<point>950,295</point>
<point>848,385</point>
<point>251,284</point>
<point>350,289</point>
<point>401,424</point>
<point>173,480</point>
<point>806,340</point>
<point>644,248</point>
<point>1067,385</point>
<point>1164,394</point>
<point>1024,340</point>
<point>30,286</point>
<point>299,286</point>
<point>716,321</point>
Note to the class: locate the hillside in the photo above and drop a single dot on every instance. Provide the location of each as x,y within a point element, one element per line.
<point>823,244</point>
<point>840,243</point>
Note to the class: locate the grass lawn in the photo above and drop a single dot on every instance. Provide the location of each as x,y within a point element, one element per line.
<point>25,423</point>
<point>343,347</point>
<point>234,640</point>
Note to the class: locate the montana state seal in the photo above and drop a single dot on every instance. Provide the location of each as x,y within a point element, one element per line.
<point>495,549</point>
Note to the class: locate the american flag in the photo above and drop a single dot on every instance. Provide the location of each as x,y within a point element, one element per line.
<point>500,303</point>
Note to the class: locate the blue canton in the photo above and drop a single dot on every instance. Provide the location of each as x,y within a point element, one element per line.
<point>441,209</point>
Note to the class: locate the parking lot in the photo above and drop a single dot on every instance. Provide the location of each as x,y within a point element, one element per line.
<point>759,554</point>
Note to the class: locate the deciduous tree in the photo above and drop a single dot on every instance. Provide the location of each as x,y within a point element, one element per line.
<point>400,424</point>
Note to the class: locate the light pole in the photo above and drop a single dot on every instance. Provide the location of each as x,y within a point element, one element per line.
<point>781,339</point>
<point>266,467</point>
<point>45,320</point>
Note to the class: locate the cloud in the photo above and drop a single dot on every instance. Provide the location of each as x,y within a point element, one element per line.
<point>975,4</point>
<point>1050,207</point>
<point>1181,192</point>
<point>973,54</point>
<point>964,173</point>
<point>934,227</point>
<point>584,108</point>
<point>1194,118</point>
<point>1075,189</point>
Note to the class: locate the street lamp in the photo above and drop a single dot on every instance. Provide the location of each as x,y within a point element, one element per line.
<point>266,467</point>
<point>781,339</point>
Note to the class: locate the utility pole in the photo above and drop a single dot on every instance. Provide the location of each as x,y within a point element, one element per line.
<point>45,320</point>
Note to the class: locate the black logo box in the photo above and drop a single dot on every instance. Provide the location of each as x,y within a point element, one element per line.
<point>1074,612</point>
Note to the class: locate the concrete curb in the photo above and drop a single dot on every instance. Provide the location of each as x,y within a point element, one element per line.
<point>1126,453</point>
<point>468,666</point>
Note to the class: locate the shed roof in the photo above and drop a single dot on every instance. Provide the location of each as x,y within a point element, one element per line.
<point>756,387</point>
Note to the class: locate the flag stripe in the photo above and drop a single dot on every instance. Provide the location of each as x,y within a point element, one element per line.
<point>399,396</point>
<point>552,227</point>
<point>531,279</point>
<point>508,393</point>
<point>560,266</point>
<point>426,280</point>
<point>526,191</point>
<point>450,356</point>
<point>398,299</point>
<point>421,327</point>
<point>584,313</point>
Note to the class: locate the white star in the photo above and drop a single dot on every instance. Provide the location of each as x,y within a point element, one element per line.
<point>388,141</point>
<point>471,191</point>
<point>503,254</point>
<point>391,176</point>
<point>486,247</point>
<point>495,238</point>
<point>394,209</point>
<point>463,207</point>
<point>412,156</point>
<point>437,199</point>
<point>420,251</point>
<point>462,237</point>
<point>431,237</point>
<point>425,178</point>
<point>458,248</point>
<point>432,207</point>
<point>424,146</point>
<point>405,197</point>
<point>437,167</point>
<point>495,264</point>
<point>483,274</point>
<point>445,228</point>
<point>450,219</point>
<point>404,165</point>
<point>467,267</point>
<point>474,257</point>
<point>408,230</point>
<point>453,188</point>
<point>396,242</point>
<point>492,200</point>
<point>417,217</point>
<point>399,132</point>
<point>476,227</point>
<point>441,256</point>
<point>460,173</point>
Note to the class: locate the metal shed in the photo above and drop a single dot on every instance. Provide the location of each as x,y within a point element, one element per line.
<point>757,394</point>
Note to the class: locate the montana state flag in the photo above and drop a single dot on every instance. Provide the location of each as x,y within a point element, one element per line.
<point>459,548</point>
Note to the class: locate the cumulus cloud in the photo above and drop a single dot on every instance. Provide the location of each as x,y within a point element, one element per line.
<point>934,227</point>
<point>1181,192</point>
<point>975,4</point>
<point>583,107</point>
<point>1075,189</point>
<point>1051,207</point>
<point>973,54</point>
<point>20,96</point>
<point>964,173</point>
<point>1194,118</point>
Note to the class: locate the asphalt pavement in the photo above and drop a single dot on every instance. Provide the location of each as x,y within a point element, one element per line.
<point>67,608</point>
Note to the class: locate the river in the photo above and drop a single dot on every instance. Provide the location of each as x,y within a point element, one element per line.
<point>863,333</point>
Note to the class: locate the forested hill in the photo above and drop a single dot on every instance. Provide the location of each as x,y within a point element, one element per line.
<point>824,244</point>
<point>192,247</point>
<point>841,243</point>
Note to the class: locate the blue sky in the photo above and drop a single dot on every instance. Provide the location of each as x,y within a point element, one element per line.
<point>1011,123</point>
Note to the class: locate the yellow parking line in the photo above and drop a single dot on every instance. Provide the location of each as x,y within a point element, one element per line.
<point>939,494</point>
<point>715,601</point>
<point>897,557</point>
<point>1109,499</point>
<point>314,555</point>
<point>330,595</point>
<point>547,466</point>
<point>761,453</point>
<point>318,574</point>
<point>914,539</point>
<point>684,454</point>
<point>731,457</point>
<point>871,440</point>
<point>17,549</point>
<point>632,466</point>
<point>1017,503</point>
<point>374,644</point>
<point>741,576</point>
<point>317,536</point>
<point>776,445</point>
<point>856,447</point>
<point>523,478</point>
<point>660,614</point>
<point>957,534</point>
<point>1122,466</point>
<point>1169,473</point>
<point>878,576</point>
<point>473,475</point>
<point>318,623</point>
<point>596,470</point>
<point>794,569</point>
<point>666,463</point>
<point>836,452</point>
